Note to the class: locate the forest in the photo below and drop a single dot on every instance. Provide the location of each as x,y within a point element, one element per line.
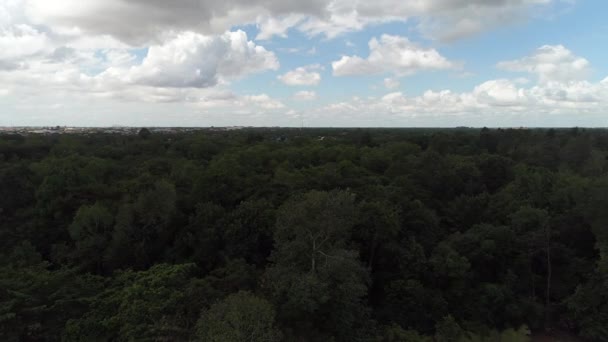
<point>375,235</point>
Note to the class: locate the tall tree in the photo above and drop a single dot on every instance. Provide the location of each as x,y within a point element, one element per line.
<point>91,232</point>
<point>313,274</point>
<point>241,317</point>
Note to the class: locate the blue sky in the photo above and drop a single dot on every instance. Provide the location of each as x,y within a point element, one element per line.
<point>327,62</point>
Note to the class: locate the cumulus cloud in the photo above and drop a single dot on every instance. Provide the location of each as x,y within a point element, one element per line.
<point>302,76</point>
<point>22,41</point>
<point>391,83</point>
<point>213,100</point>
<point>198,61</point>
<point>264,101</point>
<point>551,63</point>
<point>392,54</point>
<point>42,59</point>
<point>559,90</point>
<point>494,98</point>
<point>65,80</point>
<point>190,69</point>
<point>270,26</point>
<point>500,92</point>
<point>305,95</point>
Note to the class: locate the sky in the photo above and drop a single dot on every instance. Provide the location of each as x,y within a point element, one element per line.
<point>317,63</point>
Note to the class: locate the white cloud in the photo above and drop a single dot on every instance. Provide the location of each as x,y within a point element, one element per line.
<point>214,100</point>
<point>190,69</point>
<point>392,54</point>
<point>197,61</point>
<point>302,76</point>
<point>270,27</point>
<point>264,101</point>
<point>500,92</point>
<point>67,81</point>
<point>340,19</point>
<point>491,99</point>
<point>560,91</point>
<point>79,65</point>
<point>21,41</point>
<point>551,63</point>
<point>11,12</point>
<point>391,83</point>
<point>305,95</point>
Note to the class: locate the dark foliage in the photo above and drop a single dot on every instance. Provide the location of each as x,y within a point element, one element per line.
<point>304,235</point>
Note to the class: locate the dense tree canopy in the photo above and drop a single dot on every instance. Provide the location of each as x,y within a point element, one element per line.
<point>304,235</point>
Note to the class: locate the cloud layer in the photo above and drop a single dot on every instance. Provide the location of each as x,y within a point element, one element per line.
<point>140,21</point>
<point>196,54</point>
<point>551,63</point>
<point>392,54</point>
<point>192,60</point>
<point>302,76</point>
<point>305,95</point>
